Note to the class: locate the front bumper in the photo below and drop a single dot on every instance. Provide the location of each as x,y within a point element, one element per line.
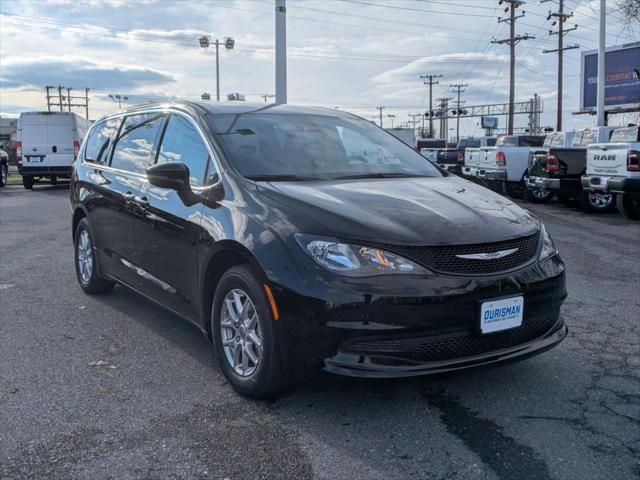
<point>611,184</point>
<point>393,366</point>
<point>534,182</point>
<point>375,327</point>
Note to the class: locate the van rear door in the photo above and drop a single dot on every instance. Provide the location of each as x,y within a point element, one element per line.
<point>33,136</point>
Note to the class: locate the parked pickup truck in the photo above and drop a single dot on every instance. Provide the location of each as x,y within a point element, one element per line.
<point>502,168</point>
<point>428,147</point>
<point>559,165</point>
<point>452,159</point>
<point>540,181</point>
<point>614,168</point>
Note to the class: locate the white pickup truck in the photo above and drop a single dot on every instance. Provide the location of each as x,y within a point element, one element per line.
<point>474,155</point>
<point>429,147</point>
<point>502,168</point>
<point>614,167</point>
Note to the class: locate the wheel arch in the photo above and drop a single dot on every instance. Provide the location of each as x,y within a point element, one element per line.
<point>227,254</point>
<point>78,214</point>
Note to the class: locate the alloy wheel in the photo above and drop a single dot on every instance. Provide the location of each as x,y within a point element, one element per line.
<point>600,200</point>
<point>3,173</point>
<point>240,333</point>
<point>540,193</point>
<point>85,256</point>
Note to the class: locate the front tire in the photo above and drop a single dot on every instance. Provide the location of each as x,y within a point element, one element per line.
<point>27,182</point>
<point>629,205</point>
<point>247,341</point>
<point>85,260</point>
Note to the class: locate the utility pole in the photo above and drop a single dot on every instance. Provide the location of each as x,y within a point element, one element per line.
<point>267,96</point>
<point>380,109</point>
<point>47,88</point>
<point>86,101</point>
<point>413,120</point>
<point>281,51</point>
<point>69,98</point>
<point>560,17</point>
<point>602,117</point>
<point>60,96</point>
<point>512,41</point>
<point>458,88</point>
<point>431,83</point>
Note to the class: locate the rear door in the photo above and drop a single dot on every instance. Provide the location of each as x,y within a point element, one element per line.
<point>168,232</point>
<point>33,135</point>
<point>114,210</point>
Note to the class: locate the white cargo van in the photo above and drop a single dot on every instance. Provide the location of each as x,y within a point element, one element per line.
<point>47,144</point>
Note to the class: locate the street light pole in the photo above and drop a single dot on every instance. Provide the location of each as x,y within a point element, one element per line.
<point>217,70</point>
<point>281,51</point>
<point>602,117</point>
<point>229,43</point>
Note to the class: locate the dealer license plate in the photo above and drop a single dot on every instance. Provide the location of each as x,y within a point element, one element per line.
<point>503,314</point>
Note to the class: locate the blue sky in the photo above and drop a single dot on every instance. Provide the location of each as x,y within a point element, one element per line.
<point>353,54</point>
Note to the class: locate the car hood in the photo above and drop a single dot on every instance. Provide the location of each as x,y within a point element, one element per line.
<point>417,211</point>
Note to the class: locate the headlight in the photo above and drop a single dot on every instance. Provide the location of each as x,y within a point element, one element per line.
<point>355,260</point>
<point>548,248</point>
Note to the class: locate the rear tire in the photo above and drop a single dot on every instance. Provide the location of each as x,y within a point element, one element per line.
<point>596,202</point>
<point>86,263</point>
<point>629,205</point>
<point>247,340</point>
<point>27,182</point>
<point>539,195</point>
<point>4,175</point>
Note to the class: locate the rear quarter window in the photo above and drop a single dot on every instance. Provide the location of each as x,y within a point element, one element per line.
<point>100,140</point>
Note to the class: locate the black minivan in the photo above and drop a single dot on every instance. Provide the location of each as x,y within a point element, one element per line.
<point>298,236</point>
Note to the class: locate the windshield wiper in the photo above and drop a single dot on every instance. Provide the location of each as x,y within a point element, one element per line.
<point>379,175</point>
<point>280,178</point>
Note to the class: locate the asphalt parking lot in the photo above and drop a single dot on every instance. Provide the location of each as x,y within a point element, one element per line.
<point>115,387</point>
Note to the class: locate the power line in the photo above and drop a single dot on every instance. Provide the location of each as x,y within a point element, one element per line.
<point>410,9</point>
<point>431,83</point>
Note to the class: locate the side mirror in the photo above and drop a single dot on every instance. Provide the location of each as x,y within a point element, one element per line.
<point>173,175</point>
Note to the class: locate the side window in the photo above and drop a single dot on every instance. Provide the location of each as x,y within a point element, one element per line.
<point>135,142</point>
<point>182,143</point>
<point>100,139</point>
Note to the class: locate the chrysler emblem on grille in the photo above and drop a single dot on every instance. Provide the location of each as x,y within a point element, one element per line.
<point>488,256</point>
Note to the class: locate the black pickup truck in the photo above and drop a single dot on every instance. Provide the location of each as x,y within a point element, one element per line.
<point>557,167</point>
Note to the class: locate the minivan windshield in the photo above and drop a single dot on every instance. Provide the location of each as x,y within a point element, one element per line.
<point>308,147</point>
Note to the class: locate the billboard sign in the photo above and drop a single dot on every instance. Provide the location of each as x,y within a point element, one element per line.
<point>489,122</point>
<point>622,85</point>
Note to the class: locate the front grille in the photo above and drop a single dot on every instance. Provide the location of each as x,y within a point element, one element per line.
<point>455,347</point>
<point>443,258</point>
